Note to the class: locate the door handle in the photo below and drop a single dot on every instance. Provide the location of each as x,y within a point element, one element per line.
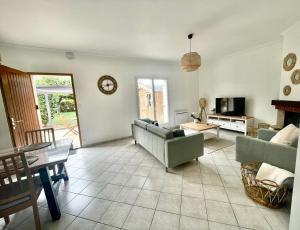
<point>14,123</point>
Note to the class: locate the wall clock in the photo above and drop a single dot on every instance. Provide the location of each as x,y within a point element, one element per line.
<point>107,84</point>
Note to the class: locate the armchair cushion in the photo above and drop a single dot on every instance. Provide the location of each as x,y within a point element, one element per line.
<point>286,136</point>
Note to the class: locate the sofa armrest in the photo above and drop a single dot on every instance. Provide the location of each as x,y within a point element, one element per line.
<point>255,150</point>
<point>266,134</point>
<point>183,149</point>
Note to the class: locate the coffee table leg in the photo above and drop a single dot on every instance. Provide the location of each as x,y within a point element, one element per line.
<point>49,193</point>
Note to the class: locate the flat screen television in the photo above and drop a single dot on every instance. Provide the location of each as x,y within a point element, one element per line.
<point>232,106</point>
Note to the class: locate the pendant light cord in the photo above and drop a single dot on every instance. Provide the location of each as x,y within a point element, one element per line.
<point>190,56</point>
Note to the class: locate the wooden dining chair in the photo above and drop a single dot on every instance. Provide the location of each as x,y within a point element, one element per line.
<point>45,135</point>
<point>39,136</point>
<point>19,189</point>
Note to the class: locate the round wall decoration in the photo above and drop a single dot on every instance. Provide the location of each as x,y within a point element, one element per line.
<point>295,77</point>
<point>287,90</point>
<point>289,61</point>
<point>107,84</point>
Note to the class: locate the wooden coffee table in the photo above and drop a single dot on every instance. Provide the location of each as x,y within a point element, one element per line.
<point>201,127</point>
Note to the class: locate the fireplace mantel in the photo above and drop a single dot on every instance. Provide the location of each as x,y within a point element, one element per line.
<point>288,106</point>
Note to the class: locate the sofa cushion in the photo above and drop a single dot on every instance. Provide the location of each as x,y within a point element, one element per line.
<point>286,136</point>
<point>149,121</point>
<point>164,133</point>
<point>178,133</point>
<point>141,123</point>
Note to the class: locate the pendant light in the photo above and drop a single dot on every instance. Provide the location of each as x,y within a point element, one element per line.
<point>190,61</point>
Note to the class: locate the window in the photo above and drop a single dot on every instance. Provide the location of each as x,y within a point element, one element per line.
<point>153,99</point>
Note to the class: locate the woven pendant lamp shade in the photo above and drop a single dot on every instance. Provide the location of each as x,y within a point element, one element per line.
<point>190,61</point>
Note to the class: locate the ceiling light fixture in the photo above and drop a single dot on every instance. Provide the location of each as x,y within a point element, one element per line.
<point>190,61</point>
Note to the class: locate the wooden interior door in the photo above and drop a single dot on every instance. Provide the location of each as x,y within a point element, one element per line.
<point>19,101</point>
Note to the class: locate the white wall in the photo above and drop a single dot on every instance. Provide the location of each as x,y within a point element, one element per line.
<point>105,117</point>
<point>291,38</point>
<point>291,44</point>
<point>5,140</point>
<point>253,73</point>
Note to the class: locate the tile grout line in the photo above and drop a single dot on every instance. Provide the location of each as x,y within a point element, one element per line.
<point>147,161</point>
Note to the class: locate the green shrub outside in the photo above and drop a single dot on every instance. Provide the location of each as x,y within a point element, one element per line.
<point>58,102</point>
<point>67,105</point>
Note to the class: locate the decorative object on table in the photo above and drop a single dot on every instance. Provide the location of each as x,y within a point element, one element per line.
<point>264,192</point>
<point>295,77</point>
<point>196,117</point>
<point>107,84</point>
<point>289,61</point>
<point>287,90</point>
<point>202,104</point>
<point>190,61</point>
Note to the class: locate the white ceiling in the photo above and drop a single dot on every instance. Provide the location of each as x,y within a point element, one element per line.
<point>155,29</point>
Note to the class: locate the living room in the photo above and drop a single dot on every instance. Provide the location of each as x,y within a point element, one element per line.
<point>242,47</point>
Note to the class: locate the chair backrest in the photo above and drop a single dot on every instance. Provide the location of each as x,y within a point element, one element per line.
<point>14,168</point>
<point>39,136</point>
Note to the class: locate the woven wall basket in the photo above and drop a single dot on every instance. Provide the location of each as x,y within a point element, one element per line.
<point>190,61</point>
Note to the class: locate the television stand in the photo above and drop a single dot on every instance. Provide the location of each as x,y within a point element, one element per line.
<point>235,123</point>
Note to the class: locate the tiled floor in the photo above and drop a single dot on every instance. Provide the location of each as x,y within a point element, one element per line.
<point>119,185</point>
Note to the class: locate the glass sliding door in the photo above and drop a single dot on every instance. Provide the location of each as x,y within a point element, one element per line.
<point>161,101</point>
<point>146,101</point>
<point>153,99</point>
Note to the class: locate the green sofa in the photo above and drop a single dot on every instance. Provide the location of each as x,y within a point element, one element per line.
<point>161,143</point>
<point>260,149</point>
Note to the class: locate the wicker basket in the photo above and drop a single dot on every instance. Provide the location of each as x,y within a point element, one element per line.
<point>265,192</point>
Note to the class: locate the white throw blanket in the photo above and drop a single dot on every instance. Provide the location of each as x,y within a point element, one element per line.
<point>273,173</point>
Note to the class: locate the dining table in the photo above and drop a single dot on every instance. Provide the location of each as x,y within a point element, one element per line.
<point>43,161</point>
